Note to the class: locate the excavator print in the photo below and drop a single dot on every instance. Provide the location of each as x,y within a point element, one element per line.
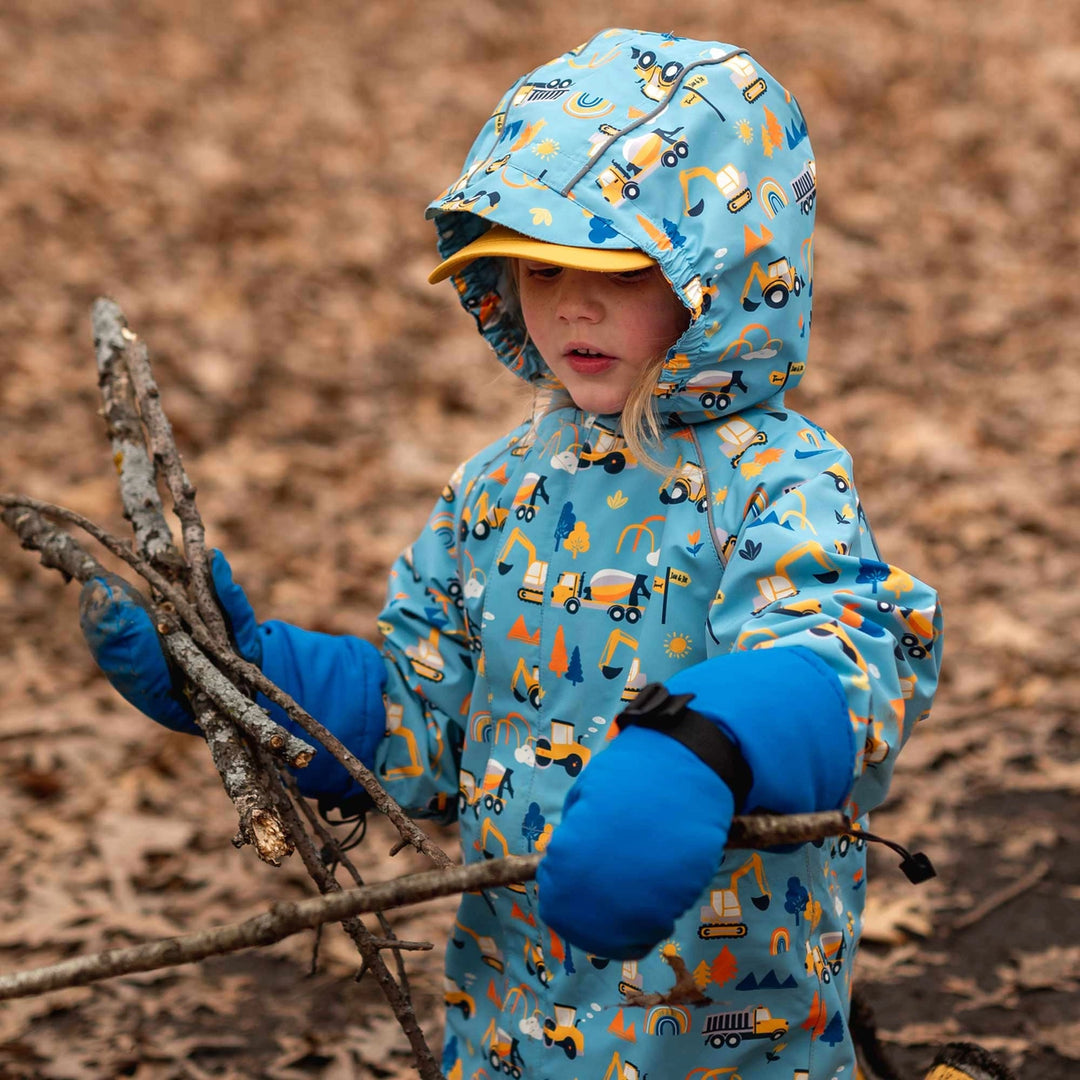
<point>722,917</point>
<point>779,585</point>
<point>535,574</point>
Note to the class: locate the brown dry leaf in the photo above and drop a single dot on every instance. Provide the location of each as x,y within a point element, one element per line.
<point>16,1015</point>
<point>1063,1039</point>
<point>378,1041</point>
<point>894,921</point>
<point>125,840</point>
<point>1055,968</point>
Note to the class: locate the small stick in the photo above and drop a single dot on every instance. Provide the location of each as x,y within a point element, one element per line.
<point>396,995</point>
<point>254,719</point>
<point>166,455</point>
<point>396,943</point>
<point>1001,897</point>
<point>258,821</point>
<point>236,665</point>
<point>260,824</point>
<point>285,919</point>
<point>281,921</point>
<point>331,846</point>
<point>57,549</point>
<point>138,479</point>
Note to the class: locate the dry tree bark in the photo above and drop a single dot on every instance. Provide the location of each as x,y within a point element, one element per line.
<point>247,746</point>
<point>285,919</point>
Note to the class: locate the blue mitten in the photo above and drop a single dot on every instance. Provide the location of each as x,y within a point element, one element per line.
<point>644,827</point>
<point>642,834</point>
<point>338,679</point>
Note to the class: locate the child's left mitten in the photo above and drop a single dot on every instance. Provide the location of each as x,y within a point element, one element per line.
<point>642,834</point>
<point>644,827</point>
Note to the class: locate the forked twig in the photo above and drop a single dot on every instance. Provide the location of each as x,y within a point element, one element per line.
<point>283,920</point>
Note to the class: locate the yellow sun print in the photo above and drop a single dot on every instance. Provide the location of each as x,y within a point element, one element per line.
<point>677,645</point>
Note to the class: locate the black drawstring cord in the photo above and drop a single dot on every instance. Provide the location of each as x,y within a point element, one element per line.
<point>330,852</point>
<point>916,865</point>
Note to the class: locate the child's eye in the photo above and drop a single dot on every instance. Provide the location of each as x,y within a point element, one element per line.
<point>544,271</point>
<point>632,275</point>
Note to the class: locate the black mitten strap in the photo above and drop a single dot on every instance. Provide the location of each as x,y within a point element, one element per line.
<point>655,708</point>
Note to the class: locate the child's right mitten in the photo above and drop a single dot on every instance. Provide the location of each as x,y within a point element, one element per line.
<point>338,679</point>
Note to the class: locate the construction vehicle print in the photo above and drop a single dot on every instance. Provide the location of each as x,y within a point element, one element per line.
<point>493,791</point>
<point>774,285</point>
<point>534,962</point>
<point>631,980</point>
<point>687,484</point>
<point>730,1028</point>
<point>826,958</point>
<point>606,449</point>
<point>503,1053</point>
<point>737,436</point>
<point>490,831</point>
<point>745,77</point>
<point>552,90</point>
<point>839,476</point>
<point>804,187</point>
<point>396,729</point>
<point>456,998</point>
<point>618,592</point>
<point>562,749</point>
<point>425,658</point>
<point>779,585</point>
<point>482,518</point>
<point>621,1070</point>
<point>713,388</point>
<point>468,793</point>
<point>529,492</point>
<point>834,630</point>
<point>562,1031</point>
<point>643,155</point>
<point>615,639</point>
<point>531,682</point>
<point>699,296</point>
<point>532,581</point>
<point>657,79</point>
<point>730,181</point>
<point>635,681</point>
<point>490,953</point>
<point>722,916</point>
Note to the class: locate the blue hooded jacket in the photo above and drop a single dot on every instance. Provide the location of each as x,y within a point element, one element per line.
<point>558,574</point>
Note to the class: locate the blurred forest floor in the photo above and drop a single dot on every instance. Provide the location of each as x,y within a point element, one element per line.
<point>248,180</point>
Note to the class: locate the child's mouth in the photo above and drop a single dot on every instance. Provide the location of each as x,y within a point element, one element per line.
<point>586,361</point>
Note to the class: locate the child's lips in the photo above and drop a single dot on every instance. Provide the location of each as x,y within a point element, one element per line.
<point>589,361</point>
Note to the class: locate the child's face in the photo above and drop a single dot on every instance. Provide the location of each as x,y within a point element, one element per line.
<point>598,332</point>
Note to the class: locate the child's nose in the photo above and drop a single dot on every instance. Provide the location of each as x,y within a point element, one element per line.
<point>578,300</point>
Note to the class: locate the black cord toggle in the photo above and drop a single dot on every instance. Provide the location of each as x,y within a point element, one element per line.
<point>915,865</point>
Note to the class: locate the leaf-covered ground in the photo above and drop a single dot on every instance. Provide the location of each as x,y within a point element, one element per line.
<point>247,179</point>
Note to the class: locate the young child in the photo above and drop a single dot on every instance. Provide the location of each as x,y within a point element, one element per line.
<point>664,539</point>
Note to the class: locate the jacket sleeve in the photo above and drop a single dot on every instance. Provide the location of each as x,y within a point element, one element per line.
<point>431,652</point>
<point>802,569</point>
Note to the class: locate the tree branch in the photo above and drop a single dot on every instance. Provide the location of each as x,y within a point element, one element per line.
<point>285,919</point>
<point>138,478</point>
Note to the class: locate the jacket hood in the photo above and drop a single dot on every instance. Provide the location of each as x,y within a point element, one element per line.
<point>687,150</point>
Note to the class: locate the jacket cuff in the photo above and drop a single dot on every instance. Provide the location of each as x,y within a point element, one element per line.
<point>785,709</point>
<point>339,680</point>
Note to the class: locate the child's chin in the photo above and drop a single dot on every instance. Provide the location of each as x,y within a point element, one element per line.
<point>599,403</point>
